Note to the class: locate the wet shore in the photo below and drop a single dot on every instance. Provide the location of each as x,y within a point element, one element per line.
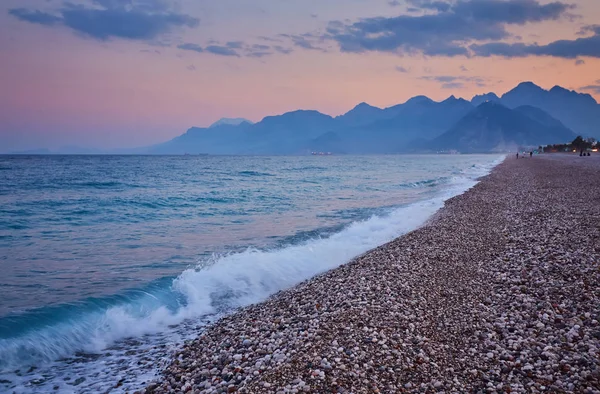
<point>499,292</point>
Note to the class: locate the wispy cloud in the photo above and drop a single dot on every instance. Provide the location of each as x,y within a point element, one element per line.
<point>306,41</point>
<point>592,88</point>
<point>454,81</point>
<point>453,85</point>
<point>236,49</point>
<point>221,50</point>
<point>191,47</point>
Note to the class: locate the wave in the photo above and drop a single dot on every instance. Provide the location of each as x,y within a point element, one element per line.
<point>427,182</point>
<point>254,173</point>
<point>215,285</point>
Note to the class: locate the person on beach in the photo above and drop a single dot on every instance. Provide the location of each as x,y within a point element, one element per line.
<point>530,153</point>
<point>517,155</point>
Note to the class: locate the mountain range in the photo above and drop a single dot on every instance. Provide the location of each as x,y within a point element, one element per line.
<point>525,116</point>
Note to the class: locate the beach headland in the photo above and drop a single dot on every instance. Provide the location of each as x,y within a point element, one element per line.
<point>499,292</point>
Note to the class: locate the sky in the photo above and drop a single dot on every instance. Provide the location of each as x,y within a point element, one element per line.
<point>126,73</point>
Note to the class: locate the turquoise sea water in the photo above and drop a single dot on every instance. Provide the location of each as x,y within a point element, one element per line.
<point>109,261</point>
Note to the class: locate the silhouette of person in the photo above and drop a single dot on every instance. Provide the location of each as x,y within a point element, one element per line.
<point>517,155</point>
<point>530,154</point>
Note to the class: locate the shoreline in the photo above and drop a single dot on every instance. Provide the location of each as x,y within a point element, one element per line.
<point>497,292</point>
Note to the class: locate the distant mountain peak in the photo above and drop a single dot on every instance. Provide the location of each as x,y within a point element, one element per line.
<point>303,112</point>
<point>229,121</point>
<point>482,98</point>
<point>454,99</point>
<point>361,107</point>
<point>297,115</point>
<point>558,88</point>
<point>529,85</point>
<point>419,100</point>
<point>494,127</point>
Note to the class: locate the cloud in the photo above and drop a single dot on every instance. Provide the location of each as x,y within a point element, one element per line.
<point>394,3</point>
<point>306,41</point>
<point>261,47</point>
<point>191,67</point>
<point>454,81</point>
<point>591,88</point>
<point>144,20</point>
<point>235,44</point>
<point>401,69</point>
<point>569,49</point>
<point>579,62</point>
<point>283,50</point>
<point>258,51</point>
<point>445,32</point>
<point>453,85</point>
<point>191,47</point>
<point>441,6</point>
<point>463,69</point>
<point>235,49</point>
<point>155,51</point>
<point>587,29</point>
<point>269,39</point>
<point>221,50</point>
<point>440,78</point>
<point>36,16</point>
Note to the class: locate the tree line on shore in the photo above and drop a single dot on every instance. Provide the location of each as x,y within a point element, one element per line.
<point>579,144</point>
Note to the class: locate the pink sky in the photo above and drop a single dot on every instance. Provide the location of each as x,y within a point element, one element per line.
<point>61,86</point>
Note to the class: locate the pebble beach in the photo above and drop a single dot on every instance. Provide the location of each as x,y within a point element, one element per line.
<point>499,292</point>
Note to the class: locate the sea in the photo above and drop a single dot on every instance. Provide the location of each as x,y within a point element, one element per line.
<point>109,263</point>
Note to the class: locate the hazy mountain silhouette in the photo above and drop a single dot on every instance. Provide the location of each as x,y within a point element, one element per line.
<point>578,111</point>
<point>282,134</point>
<point>229,121</point>
<point>419,117</point>
<point>492,127</point>
<point>534,116</point>
<point>482,98</point>
<point>213,140</point>
<point>362,114</point>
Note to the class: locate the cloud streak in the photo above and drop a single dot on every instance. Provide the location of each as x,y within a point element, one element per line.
<point>454,81</point>
<point>568,49</point>
<point>592,88</point>
<point>236,49</point>
<point>307,41</point>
